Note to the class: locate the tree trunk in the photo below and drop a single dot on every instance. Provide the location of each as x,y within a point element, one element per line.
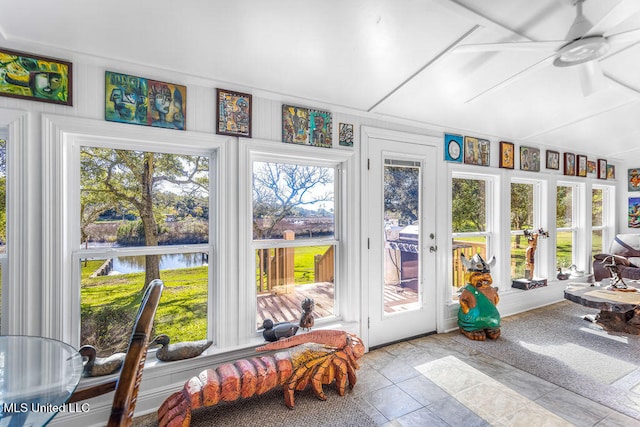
<point>149,224</point>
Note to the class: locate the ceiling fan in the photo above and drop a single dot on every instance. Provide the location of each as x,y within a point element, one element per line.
<point>583,45</point>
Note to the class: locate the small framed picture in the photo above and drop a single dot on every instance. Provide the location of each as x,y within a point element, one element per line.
<point>530,159</point>
<point>345,134</point>
<point>602,169</point>
<point>453,148</point>
<point>633,179</point>
<point>634,212</point>
<point>611,172</point>
<point>581,165</point>
<point>507,155</point>
<point>569,164</point>
<point>234,113</point>
<point>553,160</point>
<point>476,151</point>
<point>591,167</point>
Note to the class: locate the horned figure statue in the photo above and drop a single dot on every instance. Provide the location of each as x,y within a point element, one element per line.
<point>478,317</point>
<point>318,357</point>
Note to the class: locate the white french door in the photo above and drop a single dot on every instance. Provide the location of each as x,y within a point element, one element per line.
<point>400,206</point>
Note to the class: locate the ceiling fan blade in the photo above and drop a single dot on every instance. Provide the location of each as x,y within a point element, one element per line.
<point>515,77</point>
<point>549,46</point>
<point>591,77</point>
<point>620,12</point>
<point>630,36</point>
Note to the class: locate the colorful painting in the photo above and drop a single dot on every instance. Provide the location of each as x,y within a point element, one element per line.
<point>476,151</point>
<point>581,165</point>
<point>633,179</point>
<point>530,159</point>
<point>140,101</point>
<point>23,75</point>
<point>611,172</point>
<point>634,212</point>
<point>345,135</point>
<point>507,155</point>
<point>453,147</point>
<point>320,128</point>
<point>295,125</point>
<point>234,113</point>
<point>569,164</point>
<point>553,160</point>
<point>591,167</point>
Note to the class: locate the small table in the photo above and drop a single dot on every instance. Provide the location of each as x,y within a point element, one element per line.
<point>619,310</point>
<point>37,377</point>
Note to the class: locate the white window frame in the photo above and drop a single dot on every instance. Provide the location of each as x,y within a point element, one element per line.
<point>541,265</point>
<point>277,152</point>
<point>489,233</point>
<point>576,208</point>
<point>608,214</point>
<point>63,137</point>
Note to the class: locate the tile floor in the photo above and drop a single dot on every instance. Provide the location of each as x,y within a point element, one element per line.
<point>414,383</point>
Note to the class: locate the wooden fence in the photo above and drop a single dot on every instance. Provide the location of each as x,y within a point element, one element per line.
<point>468,249</point>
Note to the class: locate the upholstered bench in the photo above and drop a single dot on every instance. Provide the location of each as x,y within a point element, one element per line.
<point>625,251</point>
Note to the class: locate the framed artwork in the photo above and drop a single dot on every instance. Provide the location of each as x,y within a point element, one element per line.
<point>611,172</point>
<point>140,101</point>
<point>345,134</point>
<point>453,147</point>
<point>634,212</point>
<point>320,128</point>
<point>633,179</point>
<point>234,113</point>
<point>530,159</point>
<point>602,169</point>
<point>36,78</point>
<point>591,167</point>
<point>476,151</point>
<point>569,164</point>
<point>553,160</point>
<point>581,162</point>
<point>507,155</point>
<point>295,125</point>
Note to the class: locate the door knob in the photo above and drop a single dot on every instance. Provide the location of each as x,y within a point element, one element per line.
<point>433,248</point>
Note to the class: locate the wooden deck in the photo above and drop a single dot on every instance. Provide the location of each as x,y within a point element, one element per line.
<point>287,307</point>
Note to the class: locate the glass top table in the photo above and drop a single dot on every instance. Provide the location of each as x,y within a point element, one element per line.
<point>37,377</point>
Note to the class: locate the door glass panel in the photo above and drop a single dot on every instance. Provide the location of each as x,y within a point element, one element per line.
<point>401,236</point>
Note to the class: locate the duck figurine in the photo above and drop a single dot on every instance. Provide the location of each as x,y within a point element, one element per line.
<point>561,275</point>
<point>307,321</point>
<point>98,366</point>
<point>275,331</point>
<point>182,350</point>
<point>575,272</point>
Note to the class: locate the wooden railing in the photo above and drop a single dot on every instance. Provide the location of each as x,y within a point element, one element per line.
<point>323,268</point>
<point>468,249</point>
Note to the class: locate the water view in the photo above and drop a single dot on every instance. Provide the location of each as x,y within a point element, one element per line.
<point>135,264</point>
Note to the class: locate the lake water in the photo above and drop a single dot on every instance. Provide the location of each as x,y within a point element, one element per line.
<point>135,264</point>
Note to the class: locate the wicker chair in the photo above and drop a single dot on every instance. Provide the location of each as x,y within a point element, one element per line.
<point>127,384</point>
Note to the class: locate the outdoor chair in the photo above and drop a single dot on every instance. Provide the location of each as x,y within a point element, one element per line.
<point>127,384</point>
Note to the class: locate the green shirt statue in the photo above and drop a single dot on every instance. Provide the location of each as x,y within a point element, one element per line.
<point>478,317</point>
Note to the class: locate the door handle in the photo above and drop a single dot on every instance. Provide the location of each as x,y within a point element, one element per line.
<point>433,248</point>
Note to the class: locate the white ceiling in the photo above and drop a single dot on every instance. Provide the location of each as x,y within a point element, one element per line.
<point>390,57</point>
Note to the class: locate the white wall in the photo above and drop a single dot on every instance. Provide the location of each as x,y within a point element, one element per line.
<point>89,99</point>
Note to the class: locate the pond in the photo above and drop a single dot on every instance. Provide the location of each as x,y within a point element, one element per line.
<point>135,264</point>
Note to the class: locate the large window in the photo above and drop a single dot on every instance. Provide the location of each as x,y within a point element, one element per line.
<point>469,222</point>
<point>566,227</point>
<point>143,215</point>
<point>294,239</point>
<point>524,200</point>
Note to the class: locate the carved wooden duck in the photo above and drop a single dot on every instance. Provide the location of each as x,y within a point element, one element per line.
<point>182,350</point>
<point>98,366</point>
<point>307,321</point>
<point>561,275</point>
<point>273,332</point>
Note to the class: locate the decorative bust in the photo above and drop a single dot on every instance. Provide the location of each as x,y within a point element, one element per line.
<point>478,317</point>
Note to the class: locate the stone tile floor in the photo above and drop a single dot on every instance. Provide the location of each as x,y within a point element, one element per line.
<point>436,381</point>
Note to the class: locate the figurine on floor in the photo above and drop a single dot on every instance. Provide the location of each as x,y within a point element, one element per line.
<point>182,350</point>
<point>307,321</point>
<point>478,317</point>
<point>98,366</point>
<point>275,331</point>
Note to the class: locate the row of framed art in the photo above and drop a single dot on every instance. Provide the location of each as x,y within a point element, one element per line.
<point>476,151</point>
<point>142,101</point>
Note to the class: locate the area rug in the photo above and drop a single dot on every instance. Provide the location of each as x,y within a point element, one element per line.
<point>558,345</point>
<point>268,410</point>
